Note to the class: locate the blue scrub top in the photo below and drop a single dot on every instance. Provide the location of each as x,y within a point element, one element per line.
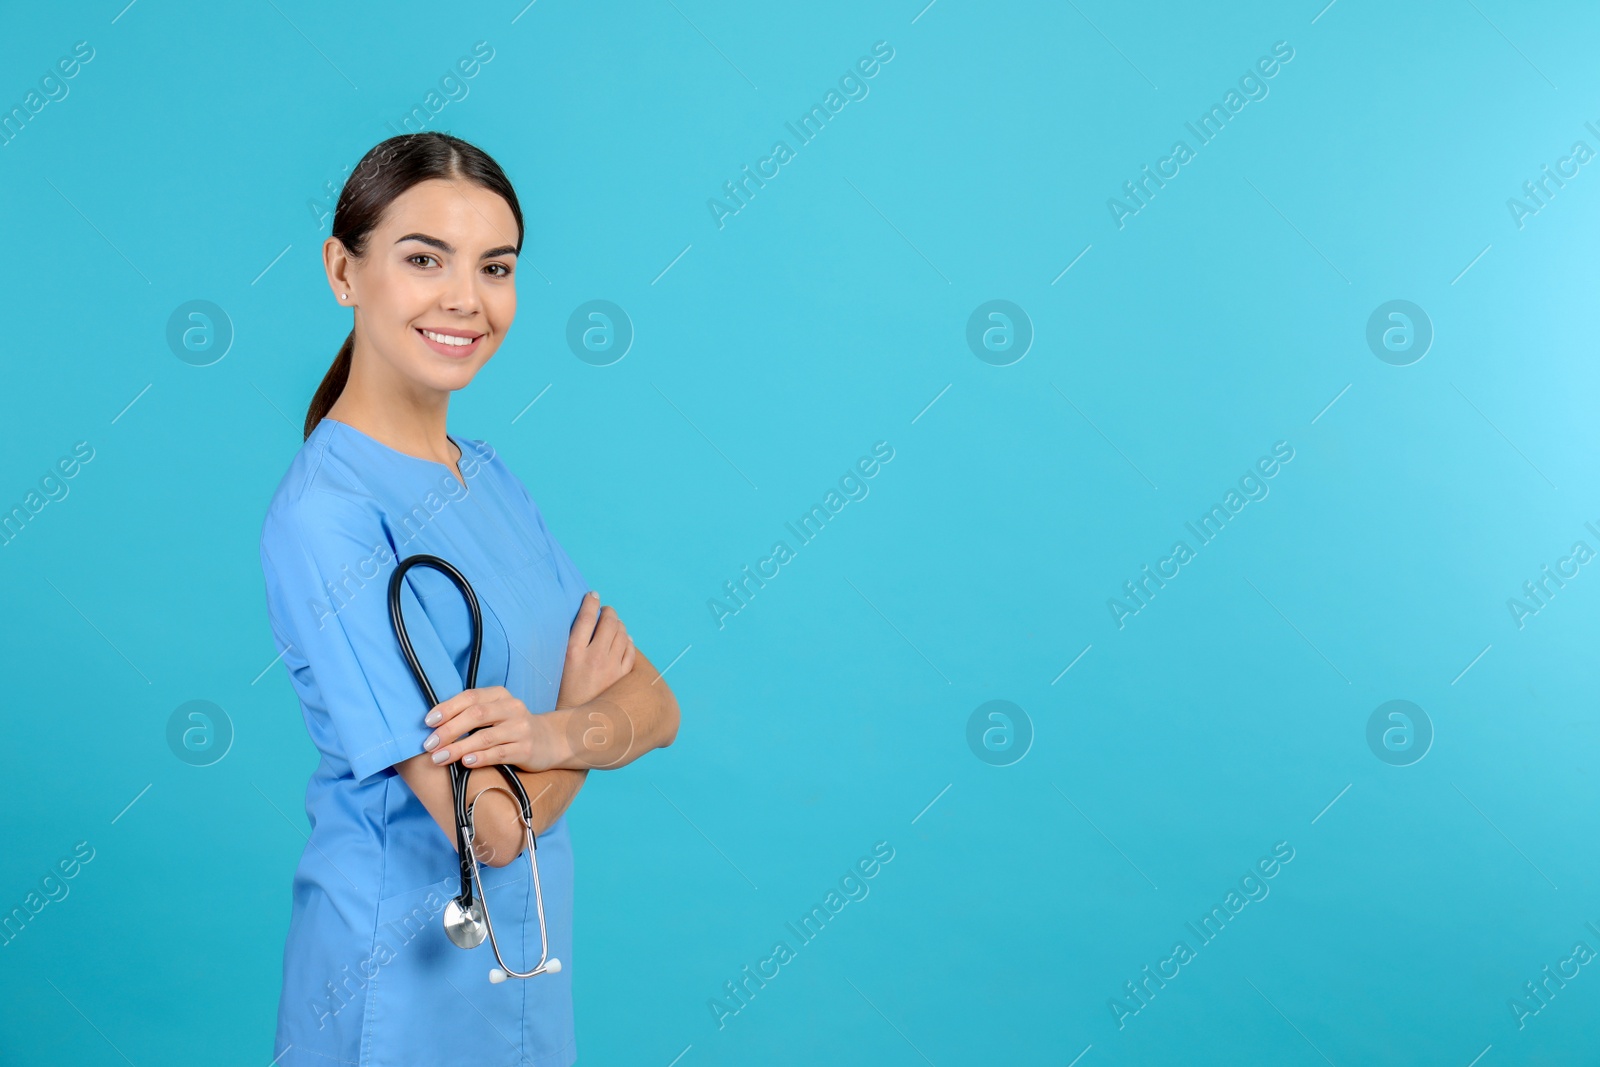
<point>369,977</point>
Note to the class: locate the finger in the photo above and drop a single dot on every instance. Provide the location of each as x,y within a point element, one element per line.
<point>446,720</point>
<point>583,625</point>
<point>492,755</point>
<point>466,719</point>
<point>623,640</point>
<point>447,709</point>
<point>472,745</point>
<point>629,655</point>
<point>605,631</point>
<point>488,705</point>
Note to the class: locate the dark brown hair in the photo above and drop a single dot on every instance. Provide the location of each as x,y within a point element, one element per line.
<point>384,173</point>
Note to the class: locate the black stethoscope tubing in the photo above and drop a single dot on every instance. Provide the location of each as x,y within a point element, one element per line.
<point>458,773</point>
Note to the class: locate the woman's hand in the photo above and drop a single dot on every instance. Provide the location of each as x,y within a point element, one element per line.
<point>599,653</point>
<point>511,733</point>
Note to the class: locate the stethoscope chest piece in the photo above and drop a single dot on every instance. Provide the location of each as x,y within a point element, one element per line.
<point>464,926</point>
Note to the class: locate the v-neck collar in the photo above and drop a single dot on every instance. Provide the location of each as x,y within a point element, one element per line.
<point>461,450</point>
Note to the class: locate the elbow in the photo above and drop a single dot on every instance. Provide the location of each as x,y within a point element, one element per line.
<point>669,732</point>
<point>500,843</point>
<point>505,857</point>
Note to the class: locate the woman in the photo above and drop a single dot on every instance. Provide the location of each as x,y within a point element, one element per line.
<point>423,249</point>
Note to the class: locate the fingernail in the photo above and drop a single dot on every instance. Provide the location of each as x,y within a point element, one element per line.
<point>594,594</point>
<point>430,743</point>
<point>441,755</point>
<point>433,718</point>
<point>471,757</point>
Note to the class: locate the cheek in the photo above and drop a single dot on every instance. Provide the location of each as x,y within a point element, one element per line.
<point>397,301</point>
<point>499,308</point>
<point>500,304</point>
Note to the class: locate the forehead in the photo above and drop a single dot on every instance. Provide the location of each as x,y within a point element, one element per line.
<point>461,212</point>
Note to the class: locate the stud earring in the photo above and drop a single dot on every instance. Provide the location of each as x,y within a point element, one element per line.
<point>344,296</point>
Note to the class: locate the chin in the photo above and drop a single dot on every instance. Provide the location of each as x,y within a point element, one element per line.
<point>452,379</point>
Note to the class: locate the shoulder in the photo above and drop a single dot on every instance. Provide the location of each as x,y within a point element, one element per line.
<point>322,491</point>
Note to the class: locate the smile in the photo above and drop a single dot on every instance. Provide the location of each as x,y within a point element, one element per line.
<point>455,345</point>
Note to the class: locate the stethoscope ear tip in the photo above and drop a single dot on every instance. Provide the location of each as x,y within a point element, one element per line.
<point>552,966</point>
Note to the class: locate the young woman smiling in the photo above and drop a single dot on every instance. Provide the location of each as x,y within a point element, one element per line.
<point>423,250</point>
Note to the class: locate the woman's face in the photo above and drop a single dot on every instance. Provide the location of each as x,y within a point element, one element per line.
<point>439,263</point>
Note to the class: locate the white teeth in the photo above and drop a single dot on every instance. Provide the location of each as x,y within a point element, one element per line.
<point>459,342</point>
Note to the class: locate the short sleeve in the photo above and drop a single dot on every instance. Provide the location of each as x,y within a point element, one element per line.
<point>327,560</point>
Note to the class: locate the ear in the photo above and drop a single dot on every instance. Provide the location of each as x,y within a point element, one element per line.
<point>336,260</point>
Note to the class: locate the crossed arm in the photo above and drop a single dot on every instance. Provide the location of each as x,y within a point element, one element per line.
<point>613,708</point>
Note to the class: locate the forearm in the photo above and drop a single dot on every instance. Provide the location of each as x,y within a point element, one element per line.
<point>500,834</point>
<point>637,714</point>
<point>551,792</point>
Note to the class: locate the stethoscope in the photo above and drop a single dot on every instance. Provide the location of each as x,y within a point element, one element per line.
<point>466,917</point>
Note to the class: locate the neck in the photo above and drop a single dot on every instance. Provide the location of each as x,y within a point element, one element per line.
<point>399,414</point>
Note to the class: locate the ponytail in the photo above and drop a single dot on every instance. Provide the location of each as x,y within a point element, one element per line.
<point>332,385</point>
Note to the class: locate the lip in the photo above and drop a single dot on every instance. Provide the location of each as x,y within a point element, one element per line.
<point>451,351</point>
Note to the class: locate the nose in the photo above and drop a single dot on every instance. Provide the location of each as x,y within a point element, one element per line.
<point>460,293</point>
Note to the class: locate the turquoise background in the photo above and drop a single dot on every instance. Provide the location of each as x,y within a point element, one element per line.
<point>831,712</point>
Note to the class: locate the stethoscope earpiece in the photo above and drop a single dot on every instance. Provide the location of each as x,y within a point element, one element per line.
<point>551,966</point>
<point>466,917</point>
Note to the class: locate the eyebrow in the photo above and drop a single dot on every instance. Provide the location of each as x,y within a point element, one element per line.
<point>448,249</point>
